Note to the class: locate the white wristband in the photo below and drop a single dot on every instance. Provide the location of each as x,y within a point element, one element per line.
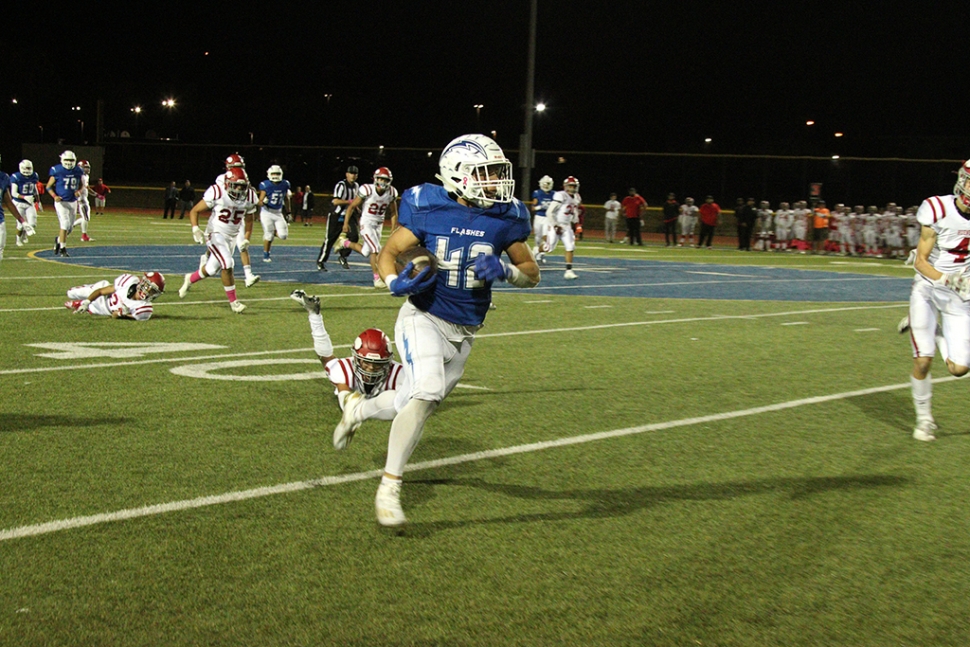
<point>518,278</point>
<point>390,280</point>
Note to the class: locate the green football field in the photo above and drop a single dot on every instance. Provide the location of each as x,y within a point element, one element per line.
<point>611,471</point>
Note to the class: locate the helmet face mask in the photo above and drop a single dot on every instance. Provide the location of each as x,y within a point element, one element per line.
<point>372,356</point>
<point>962,188</point>
<point>150,286</point>
<point>68,160</point>
<point>26,167</point>
<point>85,166</point>
<point>237,183</point>
<point>570,185</point>
<point>474,168</point>
<point>275,173</point>
<point>383,178</point>
<point>546,183</point>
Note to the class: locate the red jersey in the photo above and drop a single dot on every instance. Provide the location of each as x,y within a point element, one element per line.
<point>709,213</point>
<point>632,205</point>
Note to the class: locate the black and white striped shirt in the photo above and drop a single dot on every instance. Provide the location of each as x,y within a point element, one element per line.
<point>344,190</point>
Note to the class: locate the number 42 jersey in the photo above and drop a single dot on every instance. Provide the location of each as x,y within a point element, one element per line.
<point>952,232</point>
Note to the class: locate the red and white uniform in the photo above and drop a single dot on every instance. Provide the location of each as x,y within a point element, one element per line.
<point>372,212</point>
<point>123,298</point>
<point>225,223</point>
<point>562,212</point>
<point>341,371</point>
<point>927,300</point>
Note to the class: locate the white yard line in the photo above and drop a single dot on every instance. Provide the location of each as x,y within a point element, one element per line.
<point>545,331</point>
<point>298,486</point>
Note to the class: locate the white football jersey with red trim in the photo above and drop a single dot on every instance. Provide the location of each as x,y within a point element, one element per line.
<point>228,214</point>
<point>374,206</point>
<point>952,229</point>
<point>341,371</point>
<point>125,286</point>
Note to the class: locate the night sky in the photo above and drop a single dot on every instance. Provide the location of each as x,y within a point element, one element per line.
<point>649,76</point>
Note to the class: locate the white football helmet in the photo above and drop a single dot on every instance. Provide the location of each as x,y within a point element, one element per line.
<point>546,183</point>
<point>962,188</point>
<point>26,167</point>
<point>474,168</point>
<point>275,173</point>
<point>68,160</point>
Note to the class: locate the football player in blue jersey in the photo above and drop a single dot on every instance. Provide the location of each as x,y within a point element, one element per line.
<point>467,223</point>
<point>541,198</point>
<point>5,201</point>
<point>23,190</point>
<point>64,186</point>
<point>274,194</point>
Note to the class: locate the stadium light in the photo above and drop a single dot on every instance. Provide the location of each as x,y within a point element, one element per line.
<point>540,107</point>
<point>168,103</point>
<point>838,134</point>
<point>707,140</point>
<point>810,122</point>
<point>14,101</point>
<point>136,110</point>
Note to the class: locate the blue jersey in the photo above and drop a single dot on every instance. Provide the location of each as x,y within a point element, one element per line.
<point>23,186</point>
<point>542,198</point>
<point>66,182</point>
<point>4,186</point>
<point>276,193</point>
<point>457,234</point>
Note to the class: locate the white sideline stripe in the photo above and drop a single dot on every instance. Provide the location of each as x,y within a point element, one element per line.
<point>795,323</point>
<point>298,486</point>
<point>546,331</point>
<point>867,330</point>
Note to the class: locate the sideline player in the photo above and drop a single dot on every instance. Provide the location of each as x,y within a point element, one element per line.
<point>563,211</point>
<point>940,265</point>
<point>274,194</point>
<point>230,210</point>
<point>83,204</point>
<point>368,379</point>
<point>23,191</point>
<point>541,198</point>
<point>128,297</point>
<point>375,202</point>
<point>688,222</point>
<point>611,217</point>
<point>469,221</point>
<point>101,191</point>
<point>64,186</point>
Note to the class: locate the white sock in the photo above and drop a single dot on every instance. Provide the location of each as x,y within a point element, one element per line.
<point>922,396</point>
<point>380,407</point>
<point>322,345</point>
<point>405,433</point>
<point>248,271</point>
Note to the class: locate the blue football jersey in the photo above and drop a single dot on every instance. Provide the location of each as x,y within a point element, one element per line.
<point>66,181</point>
<point>457,234</point>
<point>275,193</point>
<point>542,198</point>
<point>4,186</point>
<point>23,185</point>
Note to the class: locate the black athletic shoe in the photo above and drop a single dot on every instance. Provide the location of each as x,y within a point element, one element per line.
<point>321,267</point>
<point>343,262</point>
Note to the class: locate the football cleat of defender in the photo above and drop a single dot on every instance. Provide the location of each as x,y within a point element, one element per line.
<point>310,303</point>
<point>387,504</point>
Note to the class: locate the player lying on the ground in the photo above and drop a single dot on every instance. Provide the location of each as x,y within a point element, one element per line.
<point>129,297</point>
<point>369,376</point>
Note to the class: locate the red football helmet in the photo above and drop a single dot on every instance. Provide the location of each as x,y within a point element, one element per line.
<point>237,183</point>
<point>570,182</point>
<point>235,161</point>
<point>150,285</point>
<point>383,177</point>
<point>372,356</point>
<point>85,166</point>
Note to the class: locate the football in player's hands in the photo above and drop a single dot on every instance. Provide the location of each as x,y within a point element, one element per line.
<point>421,258</point>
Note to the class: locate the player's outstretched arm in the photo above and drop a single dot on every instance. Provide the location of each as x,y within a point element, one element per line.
<point>522,259</point>
<point>200,208</point>
<point>354,205</point>
<point>400,240</point>
<point>927,239</point>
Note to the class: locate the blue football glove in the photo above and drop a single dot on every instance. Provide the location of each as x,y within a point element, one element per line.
<point>404,284</point>
<point>491,268</point>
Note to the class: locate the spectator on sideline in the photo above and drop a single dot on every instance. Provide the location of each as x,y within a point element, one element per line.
<point>101,191</point>
<point>307,210</point>
<point>171,200</point>
<point>820,220</point>
<point>688,221</point>
<point>298,202</point>
<point>612,208</point>
<point>746,215</point>
<point>710,218</point>
<point>186,198</point>
<point>671,211</point>
<point>635,206</point>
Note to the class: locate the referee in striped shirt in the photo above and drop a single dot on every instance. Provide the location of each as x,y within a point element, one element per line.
<point>343,194</point>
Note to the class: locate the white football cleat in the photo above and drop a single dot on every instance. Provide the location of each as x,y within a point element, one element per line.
<point>570,275</point>
<point>20,239</point>
<point>388,505</point>
<point>252,280</point>
<point>350,421</point>
<point>310,303</point>
<point>903,326</point>
<point>237,306</point>
<point>186,284</point>
<point>378,283</point>
<point>924,430</point>
<point>203,260</point>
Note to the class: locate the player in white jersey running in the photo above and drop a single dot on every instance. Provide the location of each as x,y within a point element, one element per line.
<point>128,297</point>
<point>375,202</point>
<point>367,380</point>
<point>242,238</point>
<point>83,203</point>
<point>230,211</point>
<point>939,289</point>
<point>563,211</point>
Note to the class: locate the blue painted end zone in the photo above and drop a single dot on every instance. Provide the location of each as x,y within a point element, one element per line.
<point>597,277</point>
